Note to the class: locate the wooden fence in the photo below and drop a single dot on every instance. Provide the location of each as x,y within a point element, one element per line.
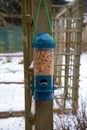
<point>67,27</point>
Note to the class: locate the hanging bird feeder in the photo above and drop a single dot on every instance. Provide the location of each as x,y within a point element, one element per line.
<point>43,58</point>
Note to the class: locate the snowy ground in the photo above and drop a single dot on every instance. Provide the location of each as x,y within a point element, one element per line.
<point>12,95</point>
<point>83,77</point>
<point>16,123</point>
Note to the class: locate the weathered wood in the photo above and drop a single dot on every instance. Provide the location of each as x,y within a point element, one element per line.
<point>11,82</point>
<point>10,15</point>
<point>27,50</point>
<point>43,24</point>
<point>11,114</point>
<point>78,37</point>
<point>7,55</point>
<point>44,115</point>
<point>67,57</point>
<point>72,32</point>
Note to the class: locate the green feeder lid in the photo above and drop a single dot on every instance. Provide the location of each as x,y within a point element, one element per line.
<point>43,40</point>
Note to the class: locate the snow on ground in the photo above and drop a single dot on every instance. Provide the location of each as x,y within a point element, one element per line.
<point>12,95</point>
<point>16,123</point>
<point>11,69</point>
<point>83,77</point>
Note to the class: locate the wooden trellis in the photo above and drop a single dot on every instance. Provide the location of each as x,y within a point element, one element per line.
<point>67,27</point>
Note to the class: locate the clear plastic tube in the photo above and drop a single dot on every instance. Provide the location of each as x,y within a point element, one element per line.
<point>43,61</point>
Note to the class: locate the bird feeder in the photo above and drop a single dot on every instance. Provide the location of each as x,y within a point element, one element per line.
<point>43,58</point>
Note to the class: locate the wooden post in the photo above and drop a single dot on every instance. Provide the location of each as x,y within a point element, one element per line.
<point>27,27</point>
<point>43,25</point>
<point>59,38</point>
<point>67,57</point>
<point>78,38</point>
<point>43,109</point>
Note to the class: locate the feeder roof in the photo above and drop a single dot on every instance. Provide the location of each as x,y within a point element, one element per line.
<point>43,40</point>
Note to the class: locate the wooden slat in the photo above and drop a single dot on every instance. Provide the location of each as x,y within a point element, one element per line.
<point>11,114</point>
<point>10,55</point>
<point>11,82</point>
<point>27,51</point>
<point>10,15</point>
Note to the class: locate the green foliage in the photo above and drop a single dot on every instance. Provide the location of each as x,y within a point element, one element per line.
<point>14,7</point>
<point>9,59</point>
<point>11,38</point>
<point>11,6</point>
<point>1,46</point>
<point>21,62</point>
